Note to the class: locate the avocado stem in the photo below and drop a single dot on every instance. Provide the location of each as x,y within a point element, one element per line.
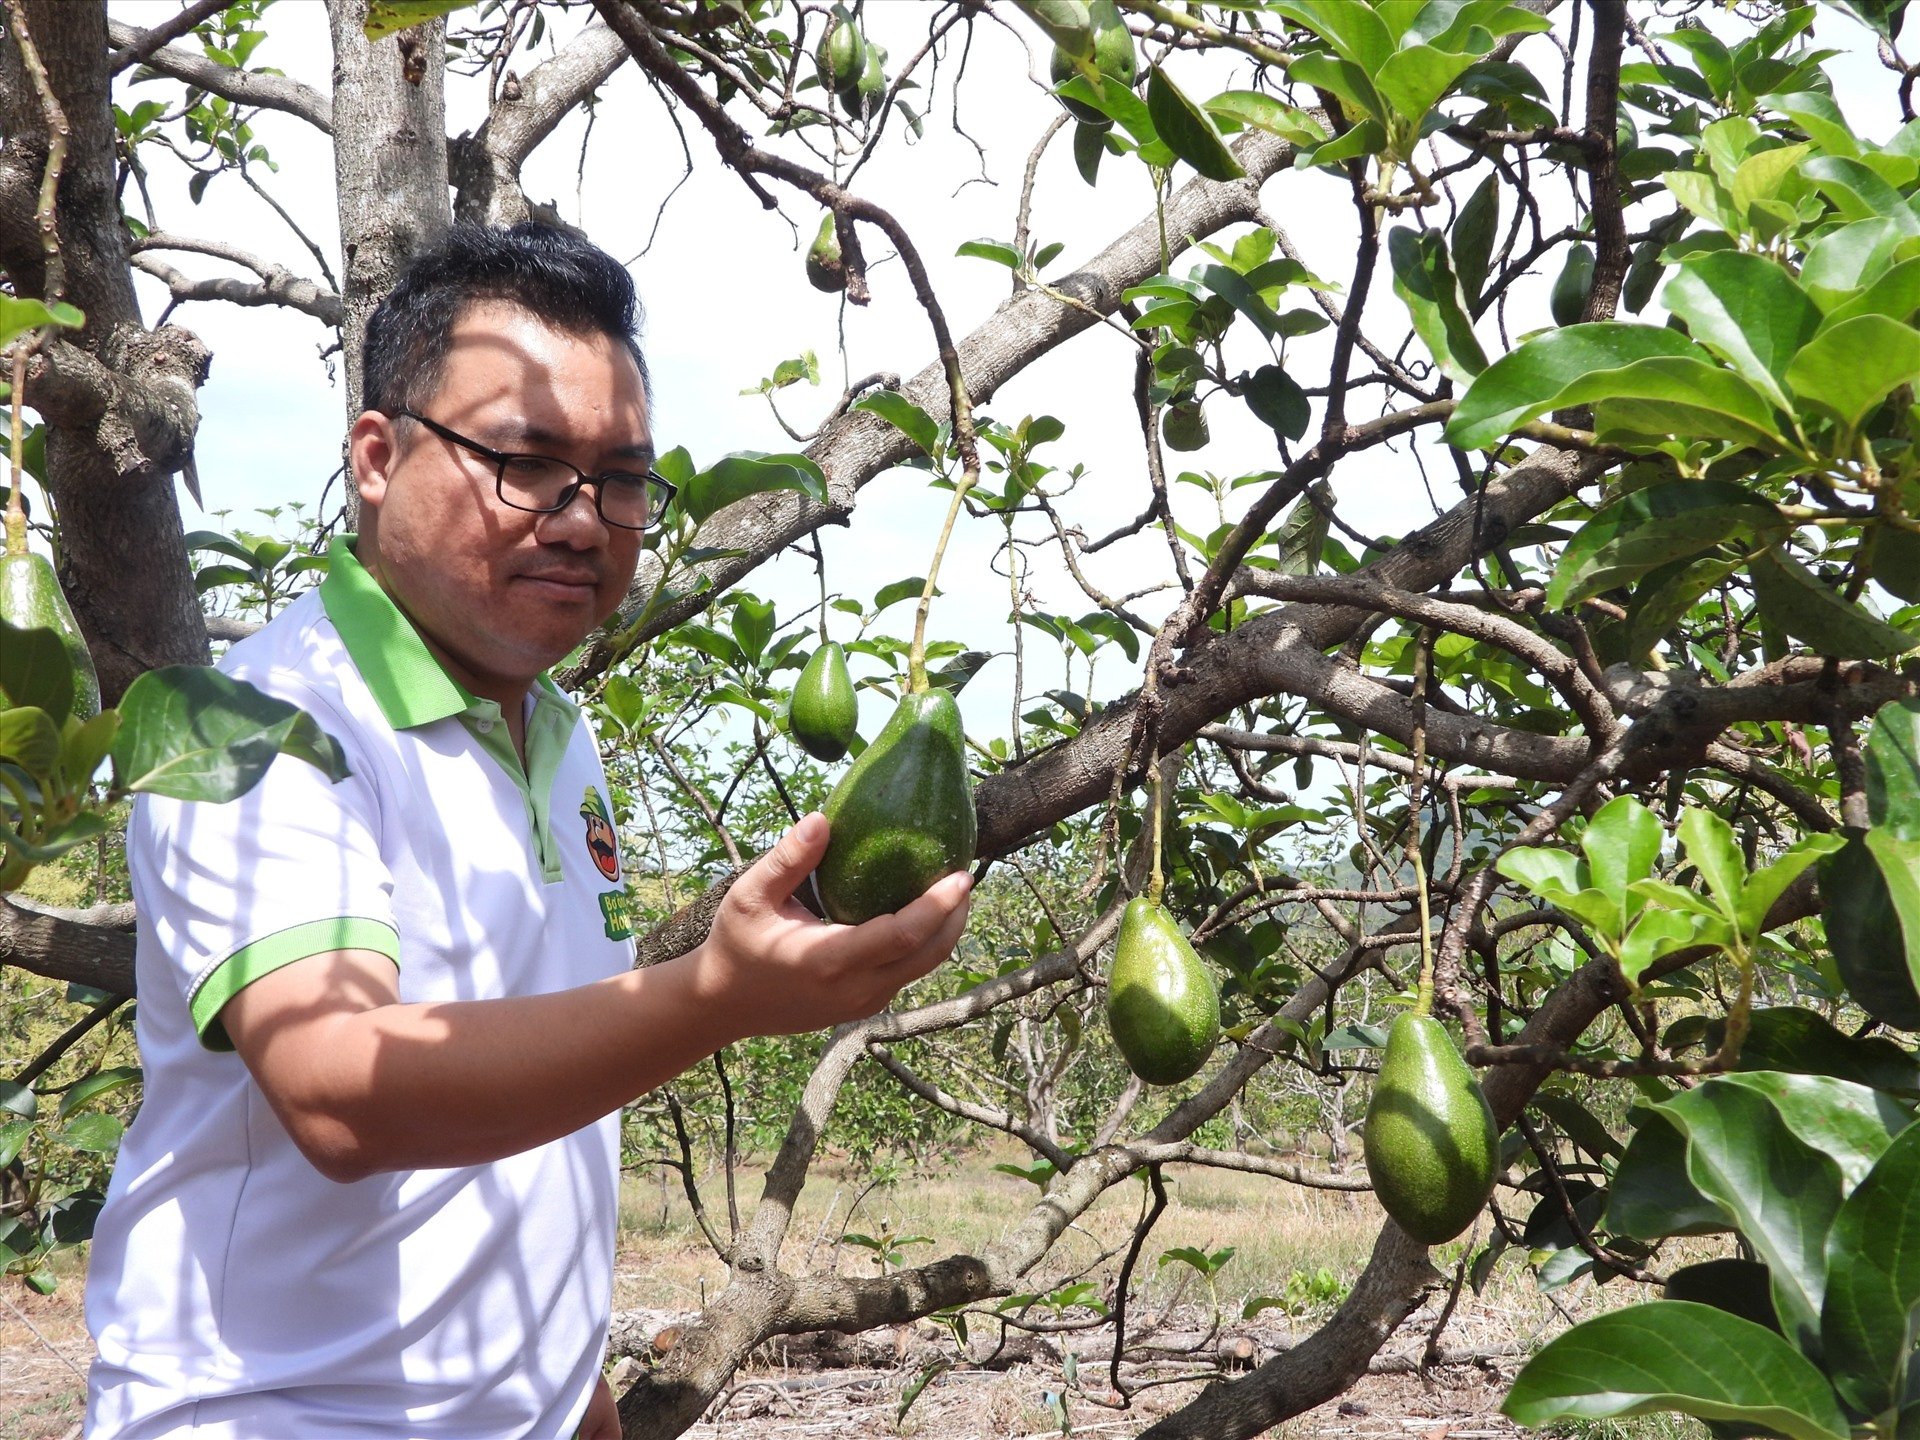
<point>917,683</point>
<point>1157,879</point>
<point>1422,659</point>
<point>16,503</point>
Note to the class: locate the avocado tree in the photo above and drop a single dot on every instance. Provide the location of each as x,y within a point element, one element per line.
<point>1567,747</point>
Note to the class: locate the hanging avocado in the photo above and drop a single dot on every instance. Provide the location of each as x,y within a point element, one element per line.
<point>824,271</point>
<point>902,815</point>
<point>841,54</point>
<point>1162,1005</point>
<point>862,98</point>
<point>1570,291</point>
<point>823,714</point>
<point>1113,57</point>
<point>31,599</point>
<point>1183,425</point>
<point>1430,1144</point>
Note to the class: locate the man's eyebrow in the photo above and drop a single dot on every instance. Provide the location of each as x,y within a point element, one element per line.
<point>525,433</point>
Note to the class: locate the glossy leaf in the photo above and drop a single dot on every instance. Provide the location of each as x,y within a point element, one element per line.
<point>1715,853</point>
<point>1278,402</point>
<point>1853,366</point>
<point>1876,948</point>
<point>30,739</point>
<point>192,733</point>
<point>736,477</point>
<point>901,413</point>
<point>1621,844</point>
<point>1648,528</point>
<point>1423,278</point>
<point>1790,1038</point>
<point>1528,382</point>
<point>35,670</point>
<point>1892,755</point>
<point>1793,598</point>
<point>1749,311</point>
<point>1188,130</point>
<point>1873,1280</point>
<point>1676,1355</point>
<point>1474,234</point>
<point>1676,395</point>
<point>387,17</point>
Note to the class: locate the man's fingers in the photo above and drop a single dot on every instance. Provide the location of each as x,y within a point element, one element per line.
<point>889,938</point>
<point>778,873</point>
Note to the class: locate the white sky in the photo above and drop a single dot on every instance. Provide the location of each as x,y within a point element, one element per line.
<point>726,302</point>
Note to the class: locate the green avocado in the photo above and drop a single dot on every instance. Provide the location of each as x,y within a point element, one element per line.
<point>1183,425</point>
<point>1430,1143</point>
<point>1570,291</point>
<point>841,55</point>
<point>1113,57</point>
<point>31,599</point>
<point>824,270</point>
<point>1162,1005</point>
<point>824,715</point>
<point>862,97</point>
<point>902,815</point>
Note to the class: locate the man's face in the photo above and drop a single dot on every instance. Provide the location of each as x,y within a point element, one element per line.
<point>502,594</point>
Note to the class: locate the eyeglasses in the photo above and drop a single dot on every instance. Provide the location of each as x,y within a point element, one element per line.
<point>543,484</point>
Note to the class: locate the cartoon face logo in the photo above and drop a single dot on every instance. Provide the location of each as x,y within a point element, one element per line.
<point>600,839</point>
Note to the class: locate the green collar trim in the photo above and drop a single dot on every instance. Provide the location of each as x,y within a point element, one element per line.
<point>407,680</point>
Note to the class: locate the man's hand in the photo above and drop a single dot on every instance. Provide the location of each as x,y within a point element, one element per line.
<point>777,969</point>
<point>602,1420</point>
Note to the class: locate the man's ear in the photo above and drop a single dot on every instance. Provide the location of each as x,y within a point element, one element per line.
<point>372,449</point>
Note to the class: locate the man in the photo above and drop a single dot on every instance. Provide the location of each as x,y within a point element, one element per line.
<point>388,1025</point>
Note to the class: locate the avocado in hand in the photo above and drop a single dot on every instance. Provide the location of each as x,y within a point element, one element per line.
<point>902,815</point>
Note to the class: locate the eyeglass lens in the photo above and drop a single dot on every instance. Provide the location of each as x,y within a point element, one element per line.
<point>536,482</point>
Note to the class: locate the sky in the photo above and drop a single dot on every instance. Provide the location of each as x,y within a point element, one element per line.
<point>721,281</point>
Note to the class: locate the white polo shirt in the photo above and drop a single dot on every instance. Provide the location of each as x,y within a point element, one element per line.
<point>233,1291</point>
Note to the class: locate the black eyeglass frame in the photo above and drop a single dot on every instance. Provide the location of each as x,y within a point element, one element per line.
<point>659,489</point>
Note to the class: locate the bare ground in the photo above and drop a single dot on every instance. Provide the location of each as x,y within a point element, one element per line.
<point>44,1348</point>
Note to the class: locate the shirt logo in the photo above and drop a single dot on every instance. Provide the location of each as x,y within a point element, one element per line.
<point>600,838</point>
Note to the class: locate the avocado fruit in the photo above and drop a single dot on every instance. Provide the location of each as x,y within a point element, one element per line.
<point>1569,299</point>
<point>1163,1008</point>
<point>1183,425</point>
<point>31,599</point>
<point>1113,57</point>
<point>862,97</point>
<point>1429,1141</point>
<point>841,55</point>
<point>902,814</point>
<point>824,270</point>
<point>823,715</point>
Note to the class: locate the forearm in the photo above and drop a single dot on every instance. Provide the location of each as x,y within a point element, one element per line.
<point>437,1085</point>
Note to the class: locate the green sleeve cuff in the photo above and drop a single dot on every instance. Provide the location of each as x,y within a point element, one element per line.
<point>270,952</point>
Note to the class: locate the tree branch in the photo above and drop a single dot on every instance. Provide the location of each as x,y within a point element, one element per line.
<point>243,87</point>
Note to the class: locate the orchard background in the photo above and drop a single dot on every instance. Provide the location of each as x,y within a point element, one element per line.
<point>1465,448</point>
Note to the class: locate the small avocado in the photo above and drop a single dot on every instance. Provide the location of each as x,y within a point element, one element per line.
<point>841,54</point>
<point>1183,425</point>
<point>1113,57</point>
<point>31,599</point>
<point>824,270</point>
<point>1162,1005</point>
<point>1570,291</point>
<point>824,715</point>
<point>902,815</point>
<point>1430,1143</point>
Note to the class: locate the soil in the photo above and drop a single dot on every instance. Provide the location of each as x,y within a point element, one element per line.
<point>44,1347</point>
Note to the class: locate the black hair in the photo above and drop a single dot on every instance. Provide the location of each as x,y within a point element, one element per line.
<point>556,275</point>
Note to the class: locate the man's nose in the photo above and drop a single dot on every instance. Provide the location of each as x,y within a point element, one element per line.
<point>578,522</point>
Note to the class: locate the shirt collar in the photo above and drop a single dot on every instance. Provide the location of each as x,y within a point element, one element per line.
<point>406,679</point>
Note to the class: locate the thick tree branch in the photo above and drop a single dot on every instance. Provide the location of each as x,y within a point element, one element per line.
<point>276,286</point>
<point>243,87</point>
<point>166,34</point>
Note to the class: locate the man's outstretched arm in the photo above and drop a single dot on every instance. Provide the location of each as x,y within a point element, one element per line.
<point>365,1083</point>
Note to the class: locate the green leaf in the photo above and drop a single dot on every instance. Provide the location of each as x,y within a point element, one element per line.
<point>1893,768</point>
<point>1676,1355</point>
<point>1622,844</point>
<point>35,670</point>
<point>1858,192</point>
<point>1264,112</point>
<point>1873,1280</point>
<point>19,315</point>
<point>192,733</point>
<point>1657,934</point>
<point>1715,853</point>
<point>1187,129</point>
<point>1278,402</point>
<point>1676,395</point>
<point>1769,883</point>
<point>102,1082</point>
<point>1774,1152</point>
<point>1303,532</point>
<point>738,476</point>
<point>1793,598</point>
<point>995,250</point>
<point>1423,279</point>
<point>1848,257</point>
<point>1648,528</point>
<point>1528,381</point>
<point>386,17</point>
<point>901,413</point>
<point>30,739</point>
<point>1231,286</point>
<point>97,1134</point>
<point>752,626</point>
<point>1749,311</point>
<point>1820,119</point>
<point>1851,367</point>
<point>1474,234</point>
<point>1787,1037</point>
<point>1414,78</point>
<point>1882,977</point>
<point>1356,32</point>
